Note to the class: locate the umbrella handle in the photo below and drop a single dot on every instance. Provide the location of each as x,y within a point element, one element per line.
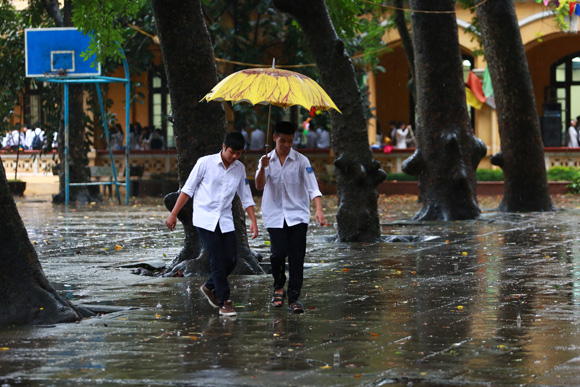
<point>267,142</point>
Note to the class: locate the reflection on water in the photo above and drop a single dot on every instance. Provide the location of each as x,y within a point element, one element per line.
<point>492,301</point>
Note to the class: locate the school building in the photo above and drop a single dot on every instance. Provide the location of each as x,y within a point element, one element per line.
<point>553,57</point>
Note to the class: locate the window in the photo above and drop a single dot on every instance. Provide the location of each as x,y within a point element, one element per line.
<point>32,105</point>
<point>565,86</point>
<point>160,105</point>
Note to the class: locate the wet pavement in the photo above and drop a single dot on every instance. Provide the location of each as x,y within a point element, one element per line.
<point>492,302</point>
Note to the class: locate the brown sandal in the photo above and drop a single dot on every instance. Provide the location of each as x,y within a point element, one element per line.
<point>296,307</point>
<point>278,298</point>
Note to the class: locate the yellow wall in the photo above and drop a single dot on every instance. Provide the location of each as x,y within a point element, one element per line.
<point>544,44</point>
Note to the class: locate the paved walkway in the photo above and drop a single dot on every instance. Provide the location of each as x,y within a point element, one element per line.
<point>489,302</point>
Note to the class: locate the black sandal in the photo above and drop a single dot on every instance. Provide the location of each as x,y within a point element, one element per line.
<point>278,298</point>
<point>296,307</point>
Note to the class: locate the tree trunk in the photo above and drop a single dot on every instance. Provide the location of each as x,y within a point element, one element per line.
<point>447,152</point>
<point>357,172</point>
<point>199,127</point>
<point>522,155</point>
<point>78,160</point>
<point>26,297</point>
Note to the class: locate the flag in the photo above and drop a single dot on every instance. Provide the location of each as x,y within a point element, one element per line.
<point>474,91</point>
<point>577,10</point>
<point>572,6</point>
<point>488,88</point>
<point>472,100</point>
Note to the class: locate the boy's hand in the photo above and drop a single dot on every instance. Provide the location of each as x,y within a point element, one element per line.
<point>265,160</point>
<point>254,230</point>
<point>171,221</point>
<point>319,216</point>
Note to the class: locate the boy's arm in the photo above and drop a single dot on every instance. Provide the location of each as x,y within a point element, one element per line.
<point>172,218</point>
<point>187,191</point>
<point>254,223</point>
<point>245,195</point>
<point>260,179</point>
<point>319,215</point>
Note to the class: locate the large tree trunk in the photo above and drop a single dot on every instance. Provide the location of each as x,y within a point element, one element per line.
<point>78,160</point>
<point>199,127</point>
<point>447,152</point>
<point>26,297</point>
<point>357,172</point>
<point>522,156</point>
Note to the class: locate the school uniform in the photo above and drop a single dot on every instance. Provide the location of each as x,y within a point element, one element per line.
<point>212,188</point>
<point>286,212</point>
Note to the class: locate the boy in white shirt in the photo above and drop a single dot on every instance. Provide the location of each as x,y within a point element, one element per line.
<point>289,184</point>
<point>212,183</point>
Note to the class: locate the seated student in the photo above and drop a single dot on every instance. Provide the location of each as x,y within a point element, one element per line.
<point>213,182</point>
<point>157,140</point>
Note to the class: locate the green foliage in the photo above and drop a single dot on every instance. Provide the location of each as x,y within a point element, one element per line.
<point>105,22</point>
<point>400,176</point>
<point>574,187</point>
<point>562,173</point>
<point>361,26</point>
<point>489,175</point>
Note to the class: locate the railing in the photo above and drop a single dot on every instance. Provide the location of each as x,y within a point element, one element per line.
<point>32,162</point>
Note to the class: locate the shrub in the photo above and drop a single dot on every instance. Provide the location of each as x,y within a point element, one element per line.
<point>489,175</point>
<point>562,174</point>
<point>400,176</point>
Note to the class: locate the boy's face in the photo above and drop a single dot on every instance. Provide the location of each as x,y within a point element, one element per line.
<point>283,143</point>
<point>229,155</point>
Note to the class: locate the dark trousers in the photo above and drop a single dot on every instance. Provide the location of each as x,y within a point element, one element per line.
<point>221,248</point>
<point>288,242</point>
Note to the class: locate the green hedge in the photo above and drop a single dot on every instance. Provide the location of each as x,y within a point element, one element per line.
<point>489,175</point>
<point>554,174</point>
<point>562,173</point>
<point>400,176</point>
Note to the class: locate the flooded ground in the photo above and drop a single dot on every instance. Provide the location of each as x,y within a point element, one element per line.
<point>489,302</point>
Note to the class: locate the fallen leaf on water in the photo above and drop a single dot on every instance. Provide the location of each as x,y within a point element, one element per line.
<point>374,334</point>
<point>345,269</point>
<point>357,375</point>
<point>118,247</point>
<point>4,349</point>
<point>325,367</point>
<point>460,307</point>
<point>157,315</point>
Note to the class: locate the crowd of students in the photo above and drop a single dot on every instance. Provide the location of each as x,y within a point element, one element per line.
<point>27,138</point>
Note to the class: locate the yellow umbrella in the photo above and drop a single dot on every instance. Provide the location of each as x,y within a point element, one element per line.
<point>272,86</point>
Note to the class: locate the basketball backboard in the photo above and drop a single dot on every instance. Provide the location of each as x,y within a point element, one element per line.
<point>57,52</point>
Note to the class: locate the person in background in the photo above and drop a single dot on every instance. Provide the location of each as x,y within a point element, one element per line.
<point>573,135</point>
<point>257,139</point>
<point>401,135</point>
<point>145,138</point>
<point>311,138</point>
<point>116,141</point>
<point>157,140</point>
<point>323,140</point>
<point>35,138</point>
<point>392,132</point>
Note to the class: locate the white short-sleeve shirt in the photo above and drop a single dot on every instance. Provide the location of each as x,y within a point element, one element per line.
<point>288,191</point>
<point>213,187</point>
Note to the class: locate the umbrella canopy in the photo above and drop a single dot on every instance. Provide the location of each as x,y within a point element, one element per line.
<point>272,86</point>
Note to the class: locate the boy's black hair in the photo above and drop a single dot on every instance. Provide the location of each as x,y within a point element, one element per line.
<point>234,140</point>
<point>285,127</point>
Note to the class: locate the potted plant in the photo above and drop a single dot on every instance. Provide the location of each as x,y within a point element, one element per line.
<point>17,187</point>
